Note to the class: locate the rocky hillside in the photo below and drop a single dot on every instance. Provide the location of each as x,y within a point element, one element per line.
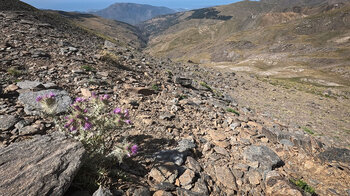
<point>195,137</point>
<point>132,13</point>
<point>305,41</point>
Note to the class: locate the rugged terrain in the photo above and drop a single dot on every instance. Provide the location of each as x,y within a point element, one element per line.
<point>197,132</point>
<point>132,13</point>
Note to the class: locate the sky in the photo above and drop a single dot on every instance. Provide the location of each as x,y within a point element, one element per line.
<point>85,5</point>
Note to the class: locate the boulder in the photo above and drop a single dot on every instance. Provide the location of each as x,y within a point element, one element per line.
<point>7,121</point>
<point>267,158</point>
<point>32,107</point>
<point>44,165</point>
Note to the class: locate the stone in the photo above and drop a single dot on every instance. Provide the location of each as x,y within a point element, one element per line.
<point>109,45</point>
<point>225,177</point>
<point>187,177</point>
<point>165,186</point>
<point>267,159</point>
<point>44,165</point>
<point>29,130</point>
<point>7,121</point>
<point>173,156</point>
<point>185,145</point>
<point>217,135</point>
<point>201,187</point>
<point>166,172</point>
<point>143,191</point>
<point>220,150</point>
<point>11,88</point>
<point>254,177</point>
<point>86,92</point>
<point>193,164</point>
<point>32,107</point>
<point>30,85</point>
<point>162,193</point>
<point>234,125</point>
<point>185,82</point>
<point>184,192</point>
<point>102,192</point>
<point>335,154</point>
<point>276,185</point>
<point>166,116</point>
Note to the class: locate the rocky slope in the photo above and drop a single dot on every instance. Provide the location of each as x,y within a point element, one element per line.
<point>195,138</point>
<point>132,13</point>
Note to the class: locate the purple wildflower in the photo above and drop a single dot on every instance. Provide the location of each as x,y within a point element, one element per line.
<point>104,97</point>
<point>134,149</point>
<point>93,95</point>
<point>51,95</point>
<point>85,110</point>
<point>73,128</point>
<point>117,111</point>
<point>126,113</point>
<point>39,98</point>
<point>128,122</point>
<point>76,107</point>
<point>79,99</point>
<point>87,126</point>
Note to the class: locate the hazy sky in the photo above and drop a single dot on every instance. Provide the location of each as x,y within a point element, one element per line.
<point>83,5</point>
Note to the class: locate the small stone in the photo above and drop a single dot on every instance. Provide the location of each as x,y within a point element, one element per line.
<point>7,121</point>
<point>143,91</point>
<point>171,156</point>
<point>103,74</point>
<point>193,164</point>
<point>185,145</point>
<point>217,135</point>
<point>86,92</point>
<point>268,159</point>
<point>185,82</point>
<point>220,150</point>
<point>143,191</point>
<point>201,187</point>
<point>225,177</point>
<point>187,177</point>
<point>165,186</point>
<point>167,172</point>
<point>335,154</point>
<point>29,130</point>
<point>162,193</point>
<point>11,88</point>
<point>254,177</point>
<point>102,192</point>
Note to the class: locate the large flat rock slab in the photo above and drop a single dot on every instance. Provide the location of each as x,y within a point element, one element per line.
<point>45,165</point>
<point>32,107</point>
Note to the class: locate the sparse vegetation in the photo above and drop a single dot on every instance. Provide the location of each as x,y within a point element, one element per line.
<point>308,130</point>
<point>87,68</point>
<point>304,186</point>
<point>14,72</point>
<point>232,111</point>
<point>155,87</point>
<point>204,84</point>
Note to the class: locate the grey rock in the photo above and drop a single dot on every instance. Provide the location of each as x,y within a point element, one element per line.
<point>193,164</point>
<point>184,192</point>
<point>102,192</point>
<point>31,107</point>
<point>335,154</point>
<point>44,165</point>
<point>7,121</point>
<point>286,143</point>
<point>109,45</point>
<point>185,145</point>
<point>268,159</point>
<point>201,187</point>
<point>170,156</point>
<point>225,177</point>
<point>29,130</point>
<point>30,84</point>
<point>165,186</point>
<point>166,116</point>
<point>185,82</point>
<point>234,125</point>
<point>143,191</point>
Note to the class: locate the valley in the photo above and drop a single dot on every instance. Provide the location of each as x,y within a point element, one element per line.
<point>250,98</point>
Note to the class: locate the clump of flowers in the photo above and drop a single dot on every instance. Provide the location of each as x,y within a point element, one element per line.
<point>94,122</point>
<point>48,102</point>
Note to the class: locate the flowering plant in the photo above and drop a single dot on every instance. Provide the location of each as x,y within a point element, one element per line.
<point>48,102</point>
<point>93,121</point>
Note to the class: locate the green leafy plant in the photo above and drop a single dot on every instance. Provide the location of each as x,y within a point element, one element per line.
<point>181,97</point>
<point>304,186</point>
<point>205,85</point>
<point>309,131</point>
<point>14,72</point>
<point>232,111</point>
<point>155,87</point>
<point>87,68</point>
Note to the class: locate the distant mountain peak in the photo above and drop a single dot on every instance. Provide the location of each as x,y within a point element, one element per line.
<point>132,13</point>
